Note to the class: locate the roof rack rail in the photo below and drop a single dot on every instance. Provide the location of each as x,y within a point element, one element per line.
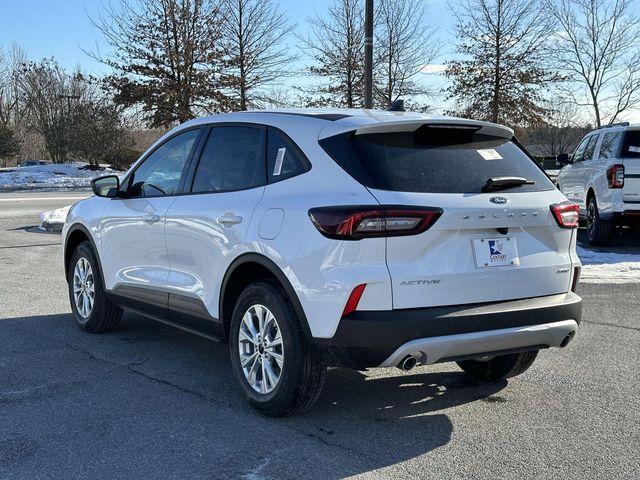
<point>611,125</point>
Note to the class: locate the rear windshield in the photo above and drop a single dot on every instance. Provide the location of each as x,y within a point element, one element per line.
<point>433,160</point>
<point>631,145</point>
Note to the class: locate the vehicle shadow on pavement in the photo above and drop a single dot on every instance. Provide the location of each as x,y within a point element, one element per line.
<point>623,241</point>
<point>148,374</point>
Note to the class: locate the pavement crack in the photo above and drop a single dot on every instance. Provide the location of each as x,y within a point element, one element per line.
<point>31,245</point>
<point>625,327</point>
<point>326,442</point>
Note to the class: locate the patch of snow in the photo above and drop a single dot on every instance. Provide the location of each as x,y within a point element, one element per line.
<point>59,215</point>
<point>51,176</point>
<point>607,267</point>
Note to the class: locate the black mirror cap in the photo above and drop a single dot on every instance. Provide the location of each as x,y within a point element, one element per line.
<point>563,159</point>
<point>107,186</point>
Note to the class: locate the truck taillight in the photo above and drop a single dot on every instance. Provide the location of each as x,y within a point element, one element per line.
<point>567,214</point>
<point>615,176</point>
<point>357,222</point>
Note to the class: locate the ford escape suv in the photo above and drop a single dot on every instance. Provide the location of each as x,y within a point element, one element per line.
<point>315,238</point>
<point>603,178</point>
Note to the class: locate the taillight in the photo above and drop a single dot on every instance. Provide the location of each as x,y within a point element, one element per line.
<point>567,214</point>
<point>356,222</point>
<point>615,176</point>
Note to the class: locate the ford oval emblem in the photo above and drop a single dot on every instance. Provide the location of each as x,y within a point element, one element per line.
<point>498,200</point>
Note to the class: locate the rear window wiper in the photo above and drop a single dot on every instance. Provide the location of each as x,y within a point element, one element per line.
<point>501,183</point>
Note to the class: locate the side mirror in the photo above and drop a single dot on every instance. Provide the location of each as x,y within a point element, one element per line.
<point>107,187</point>
<point>563,159</point>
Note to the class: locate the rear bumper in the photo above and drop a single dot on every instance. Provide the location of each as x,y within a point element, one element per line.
<point>627,218</point>
<point>377,338</point>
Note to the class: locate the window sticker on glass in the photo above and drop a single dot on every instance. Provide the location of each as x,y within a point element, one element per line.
<point>489,154</point>
<point>277,168</point>
<point>634,149</point>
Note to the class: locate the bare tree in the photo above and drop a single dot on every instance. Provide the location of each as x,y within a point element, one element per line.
<point>597,47</point>
<point>253,35</point>
<point>503,69</point>
<point>404,44</point>
<point>11,64</point>
<point>561,130</point>
<point>335,44</point>
<point>50,96</point>
<point>167,55</point>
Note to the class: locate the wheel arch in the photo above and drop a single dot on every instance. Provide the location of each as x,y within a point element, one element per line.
<point>77,234</point>
<point>249,268</point>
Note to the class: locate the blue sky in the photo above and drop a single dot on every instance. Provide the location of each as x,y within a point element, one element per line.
<point>62,28</point>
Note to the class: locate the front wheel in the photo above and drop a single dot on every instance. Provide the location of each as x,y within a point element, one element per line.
<point>500,367</point>
<point>92,310</point>
<point>279,372</point>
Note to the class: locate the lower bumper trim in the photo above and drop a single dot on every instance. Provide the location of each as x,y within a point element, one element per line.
<point>468,345</point>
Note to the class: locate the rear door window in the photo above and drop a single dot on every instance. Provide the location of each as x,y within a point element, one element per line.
<point>434,160</point>
<point>232,159</point>
<point>609,145</point>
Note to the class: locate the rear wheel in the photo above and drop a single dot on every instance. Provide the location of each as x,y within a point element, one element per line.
<point>500,367</point>
<point>279,371</point>
<point>599,232</point>
<point>91,309</point>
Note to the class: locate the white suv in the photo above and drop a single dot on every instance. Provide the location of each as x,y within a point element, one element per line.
<point>314,238</point>
<point>603,178</point>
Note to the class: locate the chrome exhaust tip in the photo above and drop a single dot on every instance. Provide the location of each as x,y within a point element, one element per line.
<point>407,363</point>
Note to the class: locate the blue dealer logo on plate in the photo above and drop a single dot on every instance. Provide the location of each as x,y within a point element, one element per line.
<point>495,248</point>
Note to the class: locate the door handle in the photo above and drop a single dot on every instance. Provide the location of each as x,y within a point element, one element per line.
<point>151,218</point>
<point>229,219</point>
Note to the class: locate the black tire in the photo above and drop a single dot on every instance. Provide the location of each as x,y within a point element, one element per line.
<point>500,367</point>
<point>104,315</point>
<point>599,232</point>
<point>304,367</point>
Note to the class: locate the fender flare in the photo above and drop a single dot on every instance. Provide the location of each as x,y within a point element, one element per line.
<point>80,227</point>
<point>280,276</point>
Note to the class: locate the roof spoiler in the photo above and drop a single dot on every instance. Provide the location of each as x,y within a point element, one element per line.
<point>412,125</point>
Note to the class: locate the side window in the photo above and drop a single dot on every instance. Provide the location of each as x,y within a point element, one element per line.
<point>160,173</point>
<point>233,159</point>
<point>284,159</point>
<point>631,145</point>
<point>578,154</point>
<point>609,145</point>
<point>591,148</point>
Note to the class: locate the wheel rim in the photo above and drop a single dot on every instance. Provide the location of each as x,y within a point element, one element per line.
<point>591,219</point>
<point>83,287</point>
<point>260,349</point>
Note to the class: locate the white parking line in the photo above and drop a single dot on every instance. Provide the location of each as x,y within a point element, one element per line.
<point>33,199</point>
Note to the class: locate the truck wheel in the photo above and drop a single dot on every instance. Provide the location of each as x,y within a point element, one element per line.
<point>599,232</point>
<point>279,371</point>
<point>500,367</point>
<point>91,309</point>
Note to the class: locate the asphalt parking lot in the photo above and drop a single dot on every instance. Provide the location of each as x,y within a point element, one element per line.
<point>148,401</point>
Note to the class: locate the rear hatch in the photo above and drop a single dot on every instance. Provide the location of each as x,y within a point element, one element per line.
<point>486,246</point>
<point>631,160</point>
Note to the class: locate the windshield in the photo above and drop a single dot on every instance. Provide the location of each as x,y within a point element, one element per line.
<point>434,160</point>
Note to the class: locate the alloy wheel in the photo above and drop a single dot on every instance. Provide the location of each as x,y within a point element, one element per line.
<point>83,287</point>
<point>260,348</point>
<point>591,219</point>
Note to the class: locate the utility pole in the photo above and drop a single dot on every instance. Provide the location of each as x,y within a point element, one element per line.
<point>368,54</point>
